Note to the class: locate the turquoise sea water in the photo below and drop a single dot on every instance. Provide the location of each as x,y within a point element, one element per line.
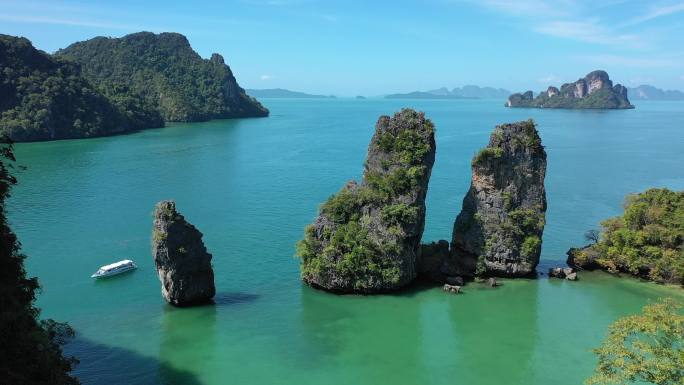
<point>252,185</point>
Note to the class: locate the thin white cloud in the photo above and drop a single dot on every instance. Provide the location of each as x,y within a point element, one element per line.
<point>266,77</point>
<point>682,77</point>
<point>627,61</point>
<point>71,22</point>
<point>526,7</point>
<point>549,79</point>
<point>638,80</point>
<point>586,31</point>
<point>576,19</point>
<point>657,12</point>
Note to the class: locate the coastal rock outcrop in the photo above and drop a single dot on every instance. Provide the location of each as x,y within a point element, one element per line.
<point>366,237</point>
<point>454,289</point>
<point>646,241</point>
<point>563,273</point>
<point>182,260</point>
<point>499,229</point>
<point>595,90</point>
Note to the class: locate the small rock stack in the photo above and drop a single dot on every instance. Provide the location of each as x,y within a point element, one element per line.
<point>182,260</point>
<point>563,272</point>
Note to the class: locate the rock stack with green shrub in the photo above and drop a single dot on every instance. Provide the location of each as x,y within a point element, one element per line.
<point>367,236</point>
<point>647,240</point>
<point>499,229</point>
<point>183,262</point>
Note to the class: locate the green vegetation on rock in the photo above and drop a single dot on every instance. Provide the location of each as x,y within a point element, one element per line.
<point>30,351</point>
<point>647,240</point>
<point>358,240</point>
<point>487,154</point>
<point>107,86</point>
<point>45,98</point>
<point>499,229</point>
<point>643,348</point>
<point>165,74</point>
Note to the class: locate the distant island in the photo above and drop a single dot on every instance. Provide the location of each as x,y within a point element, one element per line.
<point>646,92</point>
<point>360,97</point>
<point>594,91</point>
<point>108,86</point>
<point>465,92</point>
<point>283,93</point>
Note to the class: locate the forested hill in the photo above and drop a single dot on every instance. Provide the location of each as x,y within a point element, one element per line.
<point>166,73</point>
<point>45,98</point>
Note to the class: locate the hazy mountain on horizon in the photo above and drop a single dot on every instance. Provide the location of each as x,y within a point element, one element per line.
<point>465,92</point>
<point>648,92</point>
<point>283,93</point>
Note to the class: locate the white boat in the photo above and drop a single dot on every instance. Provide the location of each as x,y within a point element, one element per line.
<point>115,268</point>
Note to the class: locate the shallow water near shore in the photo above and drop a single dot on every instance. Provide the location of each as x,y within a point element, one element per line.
<point>251,185</point>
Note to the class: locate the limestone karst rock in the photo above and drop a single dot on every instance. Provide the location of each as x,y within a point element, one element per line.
<point>499,229</point>
<point>182,260</point>
<point>595,91</point>
<point>367,236</point>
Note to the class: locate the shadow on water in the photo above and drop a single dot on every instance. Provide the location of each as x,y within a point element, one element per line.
<point>234,298</point>
<point>415,288</point>
<point>102,364</point>
<point>188,340</point>
<point>322,317</point>
<point>419,286</point>
<point>496,332</point>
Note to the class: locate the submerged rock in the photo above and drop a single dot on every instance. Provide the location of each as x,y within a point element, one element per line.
<point>499,229</point>
<point>367,236</point>
<point>451,288</point>
<point>182,261</point>
<point>563,273</point>
<point>556,272</point>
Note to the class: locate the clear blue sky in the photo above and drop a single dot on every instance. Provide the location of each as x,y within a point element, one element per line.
<point>370,47</point>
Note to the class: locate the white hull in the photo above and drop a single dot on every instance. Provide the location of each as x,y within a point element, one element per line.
<point>114,269</point>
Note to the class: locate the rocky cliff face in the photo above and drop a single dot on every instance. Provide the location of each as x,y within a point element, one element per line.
<point>367,236</point>
<point>499,229</point>
<point>182,261</point>
<point>595,90</point>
